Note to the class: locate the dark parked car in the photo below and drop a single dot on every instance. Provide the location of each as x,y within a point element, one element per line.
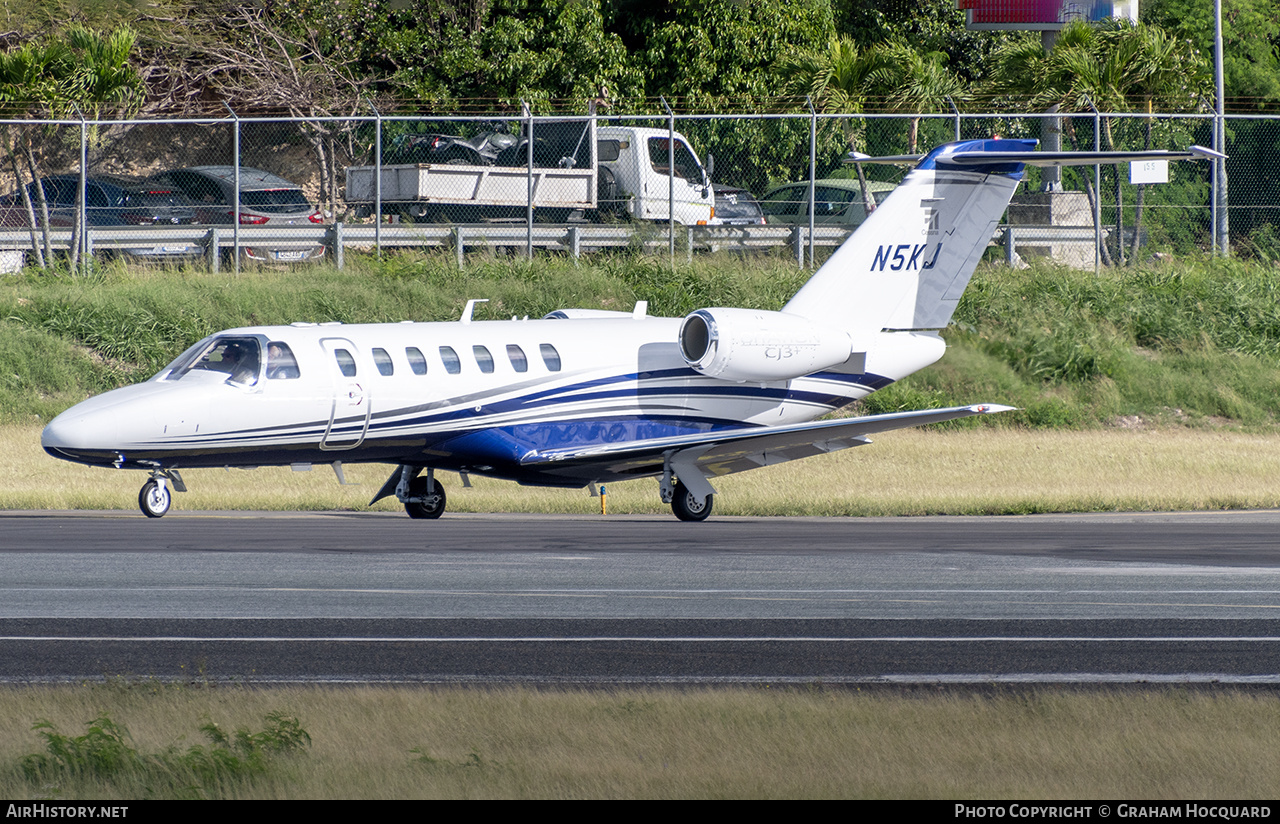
<point>114,202</point>
<point>265,200</point>
<point>736,207</point>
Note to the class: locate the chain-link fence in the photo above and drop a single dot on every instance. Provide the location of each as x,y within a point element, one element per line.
<point>275,190</point>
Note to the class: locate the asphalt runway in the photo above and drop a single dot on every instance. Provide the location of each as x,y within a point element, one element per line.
<point>356,597</point>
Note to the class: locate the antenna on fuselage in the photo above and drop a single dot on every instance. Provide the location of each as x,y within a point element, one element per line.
<point>469,308</point>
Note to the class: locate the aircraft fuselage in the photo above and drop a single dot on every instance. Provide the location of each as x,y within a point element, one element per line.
<point>478,397</point>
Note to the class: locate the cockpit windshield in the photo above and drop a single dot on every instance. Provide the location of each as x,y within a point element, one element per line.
<point>238,358</point>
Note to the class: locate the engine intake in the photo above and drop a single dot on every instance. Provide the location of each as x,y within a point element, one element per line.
<point>749,345</point>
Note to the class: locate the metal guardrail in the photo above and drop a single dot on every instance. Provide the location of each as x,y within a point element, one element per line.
<point>1082,240</point>
<point>339,237</point>
<point>575,240</point>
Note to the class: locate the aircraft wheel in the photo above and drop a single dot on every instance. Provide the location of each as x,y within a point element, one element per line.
<point>154,499</point>
<point>687,507</point>
<point>432,507</point>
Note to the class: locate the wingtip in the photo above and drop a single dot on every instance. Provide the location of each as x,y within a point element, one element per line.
<point>1203,151</point>
<point>991,408</point>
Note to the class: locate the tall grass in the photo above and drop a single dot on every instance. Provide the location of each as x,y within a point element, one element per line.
<point>1194,342</point>
<point>815,742</point>
<point>912,472</point>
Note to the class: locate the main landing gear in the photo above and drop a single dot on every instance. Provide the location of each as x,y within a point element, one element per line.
<point>423,497</point>
<point>426,498</point>
<point>689,507</point>
<point>687,504</point>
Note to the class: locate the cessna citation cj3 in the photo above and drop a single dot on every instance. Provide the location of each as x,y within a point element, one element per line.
<point>583,397</point>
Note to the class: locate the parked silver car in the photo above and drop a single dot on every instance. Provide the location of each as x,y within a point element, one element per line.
<point>265,200</point>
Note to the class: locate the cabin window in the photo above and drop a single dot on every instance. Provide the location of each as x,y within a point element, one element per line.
<point>452,364</point>
<point>483,359</point>
<point>417,362</point>
<point>345,362</point>
<point>382,360</point>
<point>550,357</point>
<point>518,361</point>
<point>281,365</point>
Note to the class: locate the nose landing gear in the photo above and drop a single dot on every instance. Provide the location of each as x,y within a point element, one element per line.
<point>155,499</point>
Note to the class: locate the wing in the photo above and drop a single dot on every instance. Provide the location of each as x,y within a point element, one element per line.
<point>724,452</point>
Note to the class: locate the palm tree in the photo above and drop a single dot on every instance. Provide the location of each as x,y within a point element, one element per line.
<point>1112,67</point>
<point>29,77</point>
<point>83,69</point>
<point>836,80</point>
<point>915,83</point>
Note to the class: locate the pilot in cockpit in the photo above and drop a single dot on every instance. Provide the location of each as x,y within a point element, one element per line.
<point>240,363</point>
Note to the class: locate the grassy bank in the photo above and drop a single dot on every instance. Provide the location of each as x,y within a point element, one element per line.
<point>1189,343</point>
<point>370,742</point>
<point>1096,365</point>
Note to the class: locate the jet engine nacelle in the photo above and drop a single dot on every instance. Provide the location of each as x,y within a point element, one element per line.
<point>750,345</point>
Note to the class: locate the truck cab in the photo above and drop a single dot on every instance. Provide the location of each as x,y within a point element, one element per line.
<point>638,178</point>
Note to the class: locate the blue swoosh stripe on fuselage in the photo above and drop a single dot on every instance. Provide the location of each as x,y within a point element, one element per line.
<point>391,427</point>
<point>453,412</point>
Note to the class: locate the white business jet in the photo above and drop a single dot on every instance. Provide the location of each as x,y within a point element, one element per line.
<point>583,397</point>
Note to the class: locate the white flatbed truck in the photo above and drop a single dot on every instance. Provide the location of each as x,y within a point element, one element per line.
<point>580,172</point>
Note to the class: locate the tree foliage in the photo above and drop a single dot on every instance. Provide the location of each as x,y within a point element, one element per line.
<point>1251,41</point>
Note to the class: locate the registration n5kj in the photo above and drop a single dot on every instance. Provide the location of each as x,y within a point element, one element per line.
<point>583,397</point>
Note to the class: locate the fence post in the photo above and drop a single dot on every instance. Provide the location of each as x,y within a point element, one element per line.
<point>528,230</point>
<point>1219,210</point>
<point>813,171</point>
<point>235,205</point>
<point>215,250</point>
<point>458,247</point>
<point>575,243</point>
<point>377,181</point>
<point>1010,250</point>
<point>336,244</point>
<point>956,113</point>
<point>797,242</point>
<point>671,182</point>
<point>1097,190</point>
<point>83,211</point>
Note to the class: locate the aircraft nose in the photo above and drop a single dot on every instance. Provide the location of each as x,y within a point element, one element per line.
<point>82,435</point>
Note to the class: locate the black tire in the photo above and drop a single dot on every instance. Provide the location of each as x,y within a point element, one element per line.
<point>609,205</point>
<point>425,510</point>
<point>688,508</point>
<point>155,498</point>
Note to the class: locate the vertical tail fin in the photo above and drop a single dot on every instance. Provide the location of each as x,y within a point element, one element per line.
<point>908,264</point>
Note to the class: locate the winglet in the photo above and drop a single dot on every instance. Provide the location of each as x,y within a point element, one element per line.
<point>1203,151</point>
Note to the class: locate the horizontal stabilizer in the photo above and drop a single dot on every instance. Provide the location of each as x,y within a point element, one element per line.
<point>1075,158</point>
<point>987,158</point>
